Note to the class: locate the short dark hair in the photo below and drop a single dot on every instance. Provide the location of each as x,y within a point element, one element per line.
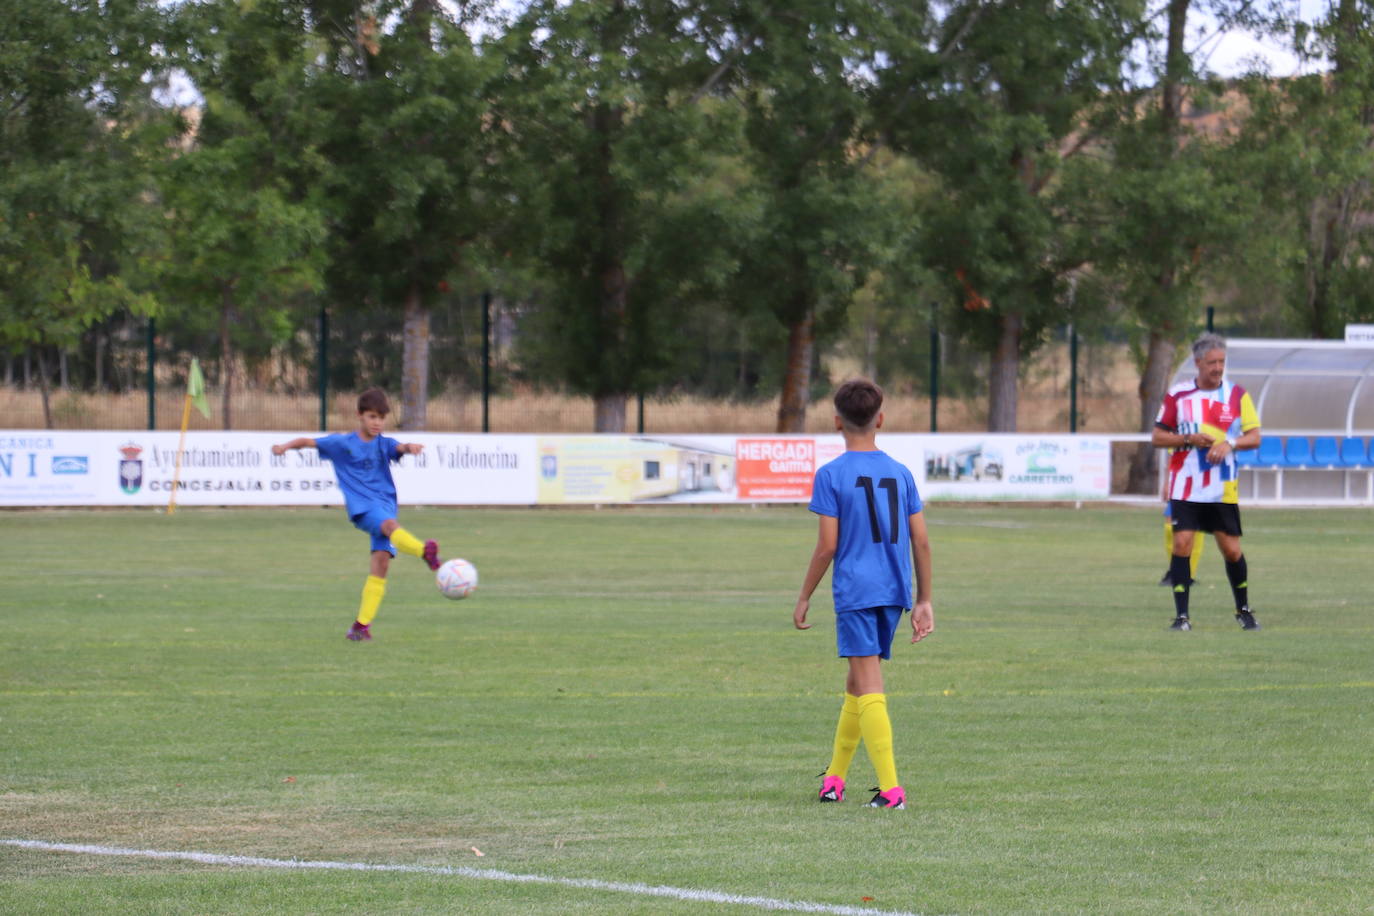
<point>858,401</point>
<point>374,399</point>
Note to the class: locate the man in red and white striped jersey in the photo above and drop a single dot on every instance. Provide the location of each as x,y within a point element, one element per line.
<point>1205,422</point>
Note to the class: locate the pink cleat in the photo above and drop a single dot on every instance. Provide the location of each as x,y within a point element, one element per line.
<point>432,554</point>
<point>894,797</point>
<point>359,632</point>
<point>832,789</point>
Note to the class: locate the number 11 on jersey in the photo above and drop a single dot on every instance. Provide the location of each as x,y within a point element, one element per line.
<point>890,485</point>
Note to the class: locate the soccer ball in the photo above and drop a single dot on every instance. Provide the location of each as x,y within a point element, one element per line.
<point>456,579</point>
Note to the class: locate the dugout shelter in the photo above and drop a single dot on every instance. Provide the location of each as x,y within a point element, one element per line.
<point>1315,400</point>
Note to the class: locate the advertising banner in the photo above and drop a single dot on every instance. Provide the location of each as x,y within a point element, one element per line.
<point>781,469</point>
<point>138,468</point>
<point>1003,466</point>
<point>238,469</point>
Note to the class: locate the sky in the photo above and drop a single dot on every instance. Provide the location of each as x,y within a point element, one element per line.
<point>1226,53</point>
<point>1230,53</point>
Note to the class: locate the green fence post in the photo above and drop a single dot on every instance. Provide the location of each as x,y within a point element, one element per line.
<point>486,361</point>
<point>152,382</point>
<point>934,370</point>
<point>1073,379</point>
<point>322,368</point>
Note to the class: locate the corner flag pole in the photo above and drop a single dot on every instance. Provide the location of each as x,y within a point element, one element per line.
<point>195,393</point>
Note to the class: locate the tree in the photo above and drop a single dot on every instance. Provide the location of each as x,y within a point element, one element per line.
<point>800,78</point>
<point>76,136</point>
<point>404,129</point>
<point>245,231</point>
<point>1307,144</point>
<point>1158,208</point>
<point>605,139</point>
<point>1014,91</point>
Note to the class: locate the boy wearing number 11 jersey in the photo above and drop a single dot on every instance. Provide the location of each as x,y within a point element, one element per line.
<point>872,526</point>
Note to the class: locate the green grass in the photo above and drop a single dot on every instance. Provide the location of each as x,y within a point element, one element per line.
<point>625,700</point>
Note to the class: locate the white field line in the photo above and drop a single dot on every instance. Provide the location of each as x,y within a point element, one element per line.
<point>479,874</point>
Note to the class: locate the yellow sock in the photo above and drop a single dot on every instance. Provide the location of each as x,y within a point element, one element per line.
<point>406,542</point>
<point>877,732</point>
<point>373,590</point>
<point>847,737</point>
<point>1198,541</point>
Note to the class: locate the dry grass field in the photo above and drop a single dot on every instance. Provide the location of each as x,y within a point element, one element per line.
<point>1107,404</point>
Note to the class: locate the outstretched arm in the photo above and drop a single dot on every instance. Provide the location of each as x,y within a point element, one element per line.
<point>826,539</point>
<point>922,614</point>
<point>302,442</point>
<point>409,448</point>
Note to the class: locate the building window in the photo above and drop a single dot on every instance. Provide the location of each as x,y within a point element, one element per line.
<point>651,470</point>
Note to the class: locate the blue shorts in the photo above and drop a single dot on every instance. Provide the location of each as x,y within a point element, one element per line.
<point>867,632</point>
<point>371,522</point>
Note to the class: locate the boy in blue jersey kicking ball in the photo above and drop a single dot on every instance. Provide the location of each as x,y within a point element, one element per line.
<point>872,526</point>
<point>362,466</point>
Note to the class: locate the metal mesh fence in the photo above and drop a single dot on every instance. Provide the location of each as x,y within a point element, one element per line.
<point>280,389</point>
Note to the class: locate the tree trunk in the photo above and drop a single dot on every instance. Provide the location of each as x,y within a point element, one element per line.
<point>1159,356</point>
<point>615,309</point>
<point>415,362</point>
<point>1154,382</point>
<point>615,370</point>
<point>1329,223</point>
<point>610,412</point>
<point>43,389</point>
<point>1005,372</point>
<point>1176,63</point>
<point>796,383</point>
<point>226,354</point>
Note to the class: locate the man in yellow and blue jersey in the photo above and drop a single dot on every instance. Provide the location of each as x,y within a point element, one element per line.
<point>872,526</point>
<point>1205,422</point>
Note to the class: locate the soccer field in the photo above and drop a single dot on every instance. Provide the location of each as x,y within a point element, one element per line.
<point>624,705</point>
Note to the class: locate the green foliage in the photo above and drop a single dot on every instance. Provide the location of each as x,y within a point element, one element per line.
<point>664,192</point>
<point>1156,216</point>
<point>1307,148</point>
<point>243,218</point>
<point>76,130</point>
<point>822,221</point>
<point>620,172</point>
<point>1019,81</point>
<point>403,129</point>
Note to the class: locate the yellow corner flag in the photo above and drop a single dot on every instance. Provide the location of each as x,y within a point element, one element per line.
<point>195,389</point>
<point>195,394</point>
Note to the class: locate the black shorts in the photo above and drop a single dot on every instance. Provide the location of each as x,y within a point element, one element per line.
<point>1209,517</point>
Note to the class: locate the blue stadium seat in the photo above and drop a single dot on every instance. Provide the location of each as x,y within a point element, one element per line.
<point>1297,452</point>
<point>1247,458</point>
<point>1354,452</point>
<point>1325,454</point>
<point>1270,452</point>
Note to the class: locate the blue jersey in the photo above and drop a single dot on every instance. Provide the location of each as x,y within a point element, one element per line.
<point>363,470</point>
<point>873,495</point>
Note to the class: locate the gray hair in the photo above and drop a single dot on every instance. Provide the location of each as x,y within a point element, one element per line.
<point>1206,344</point>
